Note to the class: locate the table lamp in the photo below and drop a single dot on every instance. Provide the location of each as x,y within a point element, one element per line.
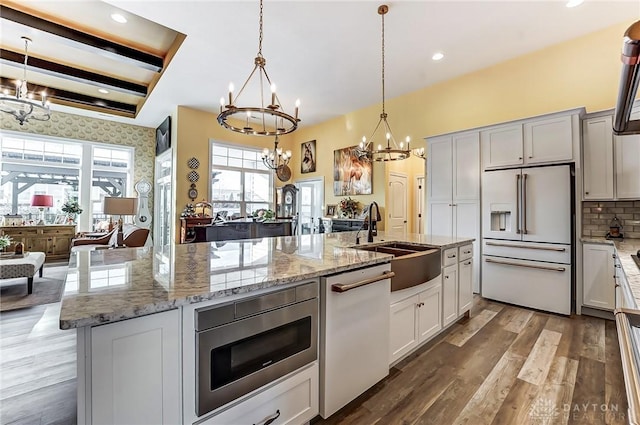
<point>120,207</point>
<point>42,202</point>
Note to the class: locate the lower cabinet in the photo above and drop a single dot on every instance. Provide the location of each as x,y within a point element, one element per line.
<point>598,281</point>
<point>449,294</point>
<point>415,317</point>
<point>465,285</point>
<point>133,375</point>
<point>293,401</point>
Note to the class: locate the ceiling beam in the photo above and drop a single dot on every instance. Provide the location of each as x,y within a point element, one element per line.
<point>9,57</point>
<point>68,98</point>
<point>86,42</point>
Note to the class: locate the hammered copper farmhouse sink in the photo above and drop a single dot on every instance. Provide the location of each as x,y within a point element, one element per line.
<point>412,264</point>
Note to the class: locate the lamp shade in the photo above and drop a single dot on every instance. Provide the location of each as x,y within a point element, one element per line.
<point>120,206</point>
<point>42,201</point>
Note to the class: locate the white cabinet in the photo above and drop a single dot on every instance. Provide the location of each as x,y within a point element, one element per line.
<point>465,288</point>
<point>598,282</point>
<point>541,140</point>
<point>291,402</point>
<point>597,166</point>
<point>453,191</point>
<point>449,294</point>
<point>627,167</point>
<point>134,372</point>
<point>415,317</point>
<point>502,146</point>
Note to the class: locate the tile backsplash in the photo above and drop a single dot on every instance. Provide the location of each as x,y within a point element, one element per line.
<point>596,217</point>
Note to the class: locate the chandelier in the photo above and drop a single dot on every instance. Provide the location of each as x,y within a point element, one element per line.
<point>22,106</point>
<point>420,153</point>
<point>271,119</point>
<point>388,150</point>
<point>276,158</point>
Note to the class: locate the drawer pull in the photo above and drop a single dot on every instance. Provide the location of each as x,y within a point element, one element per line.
<point>466,252</point>
<point>270,420</point>
<point>531,266</point>
<point>541,248</point>
<point>451,256</point>
<point>467,263</point>
<point>344,287</point>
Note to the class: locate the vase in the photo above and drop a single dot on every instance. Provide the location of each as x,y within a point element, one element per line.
<point>71,218</point>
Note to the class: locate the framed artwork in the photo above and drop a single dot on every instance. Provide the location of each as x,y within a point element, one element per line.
<point>163,136</point>
<point>60,219</point>
<point>331,210</point>
<point>351,174</point>
<point>308,157</point>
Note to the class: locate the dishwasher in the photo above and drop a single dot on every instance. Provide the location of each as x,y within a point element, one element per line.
<point>354,334</point>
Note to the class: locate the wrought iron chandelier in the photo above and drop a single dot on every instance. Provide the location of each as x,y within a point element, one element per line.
<point>420,153</point>
<point>276,158</point>
<point>271,119</point>
<point>388,150</point>
<point>22,106</point>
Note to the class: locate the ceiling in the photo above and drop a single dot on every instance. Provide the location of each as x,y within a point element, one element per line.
<point>327,53</point>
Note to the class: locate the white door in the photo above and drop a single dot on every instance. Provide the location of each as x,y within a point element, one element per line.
<point>466,165</point>
<point>598,288</point>
<point>597,138</point>
<point>502,146</point>
<point>440,219</point>
<point>397,203</point>
<point>548,140</point>
<point>310,197</point>
<point>627,166</point>
<point>420,205</point>
<point>500,205</point>
<point>546,204</point>
<point>439,166</point>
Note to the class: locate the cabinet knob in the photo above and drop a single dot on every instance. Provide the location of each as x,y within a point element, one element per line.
<point>586,193</point>
<point>530,157</point>
<point>520,158</point>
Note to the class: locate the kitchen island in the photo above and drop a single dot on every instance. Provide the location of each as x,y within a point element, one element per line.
<point>134,312</point>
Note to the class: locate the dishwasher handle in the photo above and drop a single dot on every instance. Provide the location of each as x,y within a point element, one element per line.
<point>344,287</point>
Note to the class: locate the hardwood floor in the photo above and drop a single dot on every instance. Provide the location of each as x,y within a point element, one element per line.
<point>502,365</point>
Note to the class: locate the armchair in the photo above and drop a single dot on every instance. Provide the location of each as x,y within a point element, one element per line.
<point>101,240</point>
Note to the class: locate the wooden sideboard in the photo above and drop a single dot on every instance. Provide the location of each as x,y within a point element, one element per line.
<point>53,240</point>
<point>188,223</point>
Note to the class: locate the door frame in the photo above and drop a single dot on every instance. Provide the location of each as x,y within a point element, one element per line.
<point>406,197</point>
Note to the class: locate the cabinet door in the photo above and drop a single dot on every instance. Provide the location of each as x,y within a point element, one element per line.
<point>440,219</point>
<point>440,169</point>
<point>135,373</point>
<point>548,140</point>
<point>37,244</point>
<point>403,328</point>
<point>502,146</point>
<point>465,286</point>
<point>449,294</point>
<point>61,245</point>
<point>466,166</point>
<point>627,166</point>
<point>429,314</point>
<point>597,167</point>
<point>598,283</point>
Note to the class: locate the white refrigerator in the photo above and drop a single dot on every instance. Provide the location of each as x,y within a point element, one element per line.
<point>528,227</point>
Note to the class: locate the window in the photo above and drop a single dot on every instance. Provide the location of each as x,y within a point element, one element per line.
<point>240,182</point>
<point>31,166</point>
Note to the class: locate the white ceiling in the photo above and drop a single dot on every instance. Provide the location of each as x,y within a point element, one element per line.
<point>327,53</point>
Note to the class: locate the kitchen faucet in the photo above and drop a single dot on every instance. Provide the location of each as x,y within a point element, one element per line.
<point>371,223</point>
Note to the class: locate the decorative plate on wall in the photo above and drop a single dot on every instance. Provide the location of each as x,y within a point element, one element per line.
<point>193,163</point>
<point>193,176</point>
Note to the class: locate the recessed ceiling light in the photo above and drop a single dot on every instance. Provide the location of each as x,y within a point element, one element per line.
<point>574,3</point>
<point>103,91</point>
<point>118,18</point>
<point>437,56</point>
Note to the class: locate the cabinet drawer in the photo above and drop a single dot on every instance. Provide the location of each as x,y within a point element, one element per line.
<point>449,257</point>
<point>294,401</point>
<point>20,232</point>
<point>58,231</point>
<point>466,252</point>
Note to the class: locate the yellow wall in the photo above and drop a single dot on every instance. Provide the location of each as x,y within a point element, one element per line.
<point>580,72</point>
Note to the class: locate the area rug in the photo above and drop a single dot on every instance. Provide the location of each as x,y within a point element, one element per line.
<point>46,289</point>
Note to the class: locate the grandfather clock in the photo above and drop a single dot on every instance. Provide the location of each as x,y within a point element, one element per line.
<point>288,206</point>
<point>143,216</point>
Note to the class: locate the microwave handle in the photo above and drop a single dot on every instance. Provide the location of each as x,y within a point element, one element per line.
<point>344,287</point>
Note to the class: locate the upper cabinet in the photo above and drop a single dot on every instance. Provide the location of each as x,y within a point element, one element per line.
<point>550,139</point>
<point>610,164</point>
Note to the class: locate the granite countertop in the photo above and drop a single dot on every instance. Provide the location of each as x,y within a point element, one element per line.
<point>624,247</point>
<point>109,285</point>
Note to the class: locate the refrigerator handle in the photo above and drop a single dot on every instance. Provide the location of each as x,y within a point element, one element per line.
<point>518,203</point>
<point>524,204</point>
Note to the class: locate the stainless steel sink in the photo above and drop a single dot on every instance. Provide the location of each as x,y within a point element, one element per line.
<point>412,264</point>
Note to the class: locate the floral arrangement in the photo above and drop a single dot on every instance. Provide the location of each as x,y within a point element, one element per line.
<point>263,214</point>
<point>5,241</point>
<point>71,207</point>
<point>349,207</point>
